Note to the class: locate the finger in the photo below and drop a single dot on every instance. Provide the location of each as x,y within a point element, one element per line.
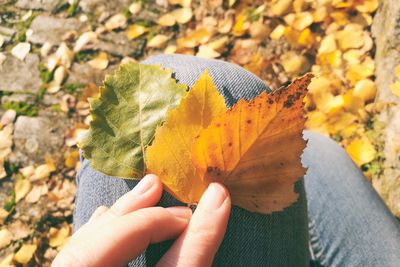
<point>98,212</point>
<point>145,194</point>
<point>125,237</point>
<point>200,241</point>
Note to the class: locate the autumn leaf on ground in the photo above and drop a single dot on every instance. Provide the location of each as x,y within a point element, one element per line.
<point>133,101</point>
<point>169,156</point>
<point>254,149</point>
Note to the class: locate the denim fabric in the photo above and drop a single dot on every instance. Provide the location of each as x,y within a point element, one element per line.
<point>252,239</point>
<point>346,216</point>
<point>349,223</point>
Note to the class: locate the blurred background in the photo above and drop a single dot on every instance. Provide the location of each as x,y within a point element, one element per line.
<point>54,55</point>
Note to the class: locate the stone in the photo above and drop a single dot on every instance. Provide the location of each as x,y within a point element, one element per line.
<point>26,98</point>
<point>6,34</point>
<point>101,6</point>
<point>36,137</point>
<point>83,73</point>
<point>116,43</point>
<point>48,29</point>
<point>20,76</point>
<point>47,5</point>
<point>386,30</point>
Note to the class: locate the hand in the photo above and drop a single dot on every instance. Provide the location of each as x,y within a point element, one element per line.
<point>114,236</point>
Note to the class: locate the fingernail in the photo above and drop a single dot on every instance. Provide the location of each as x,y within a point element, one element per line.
<point>180,212</point>
<point>214,196</point>
<point>144,185</point>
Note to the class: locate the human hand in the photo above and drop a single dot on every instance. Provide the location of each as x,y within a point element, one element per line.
<point>114,236</point>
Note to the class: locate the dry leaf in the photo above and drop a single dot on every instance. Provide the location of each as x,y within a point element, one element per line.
<point>135,30</point>
<point>3,215</point>
<point>166,20</point>
<point>182,15</point>
<point>21,50</point>
<point>8,117</point>
<point>158,41</point>
<point>25,253</point>
<point>395,88</point>
<point>281,7</point>
<point>86,39</point>
<point>207,52</point>
<point>169,156</point>
<point>254,149</point>
<point>117,21</point>
<point>295,64</point>
<point>361,151</point>
<point>5,238</point>
<point>59,237</point>
<point>19,230</point>
<point>7,260</point>
<point>21,188</point>
<point>365,89</point>
<point>36,192</point>
<point>65,55</point>
<point>100,61</point>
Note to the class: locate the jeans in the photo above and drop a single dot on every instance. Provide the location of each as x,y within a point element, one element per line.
<point>342,222</point>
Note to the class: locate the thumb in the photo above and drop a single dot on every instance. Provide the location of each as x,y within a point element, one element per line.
<point>200,241</point>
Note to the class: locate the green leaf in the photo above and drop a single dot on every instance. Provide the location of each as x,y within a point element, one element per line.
<point>132,102</point>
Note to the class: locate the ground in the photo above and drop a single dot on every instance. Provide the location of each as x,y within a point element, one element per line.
<point>54,55</point>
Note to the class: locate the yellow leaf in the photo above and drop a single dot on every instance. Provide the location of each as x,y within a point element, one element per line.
<point>71,159</point>
<point>351,36</point>
<point>182,15</point>
<point>59,237</point>
<point>302,20</point>
<point>166,20</point>
<point>295,64</point>
<point>367,6</point>
<point>278,32</point>
<point>21,188</point>
<point>361,150</point>
<point>100,61</point>
<point>397,71</point>
<point>207,52</point>
<point>135,30</point>
<point>254,149</point>
<point>281,7</point>
<point>7,261</point>
<point>169,156</point>
<point>328,44</point>
<point>25,253</point>
<point>3,215</point>
<point>185,3</point>
<point>365,89</point>
<point>158,41</point>
<point>395,88</point>
<point>361,71</point>
<point>241,25</point>
<point>5,238</point>
<point>194,38</point>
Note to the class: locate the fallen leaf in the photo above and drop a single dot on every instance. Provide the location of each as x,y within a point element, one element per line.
<point>365,89</point>
<point>100,61</point>
<point>37,191</point>
<point>254,149</point>
<point>207,52</point>
<point>136,30</point>
<point>21,188</point>
<point>71,159</point>
<point>158,41</point>
<point>169,156</point>
<point>117,21</point>
<point>295,64</point>
<point>25,253</point>
<point>8,117</point>
<point>5,238</point>
<point>166,20</point>
<point>86,39</point>
<point>59,237</point>
<point>7,260</point>
<point>397,71</point>
<point>6,141</point>
<point>135,8</point>
<point>278,32</point>
<point>19,230</point>
<point>42,172</point>
<point>65,55</point>
<point>3,215</point>
<point>361,151</point>
<point>395,88</point>
<point>21,50</point>
<point>133,101</point>
<point>281,7</point>
<point>182,15</point>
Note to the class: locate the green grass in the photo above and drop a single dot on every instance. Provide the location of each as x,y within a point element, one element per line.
<point>22,108</point>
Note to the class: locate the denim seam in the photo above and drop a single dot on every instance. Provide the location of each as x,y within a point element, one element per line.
<point>315,243</point>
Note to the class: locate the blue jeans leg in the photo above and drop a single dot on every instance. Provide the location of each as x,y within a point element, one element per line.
<point>349,224</point>
<point>280,239</point>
